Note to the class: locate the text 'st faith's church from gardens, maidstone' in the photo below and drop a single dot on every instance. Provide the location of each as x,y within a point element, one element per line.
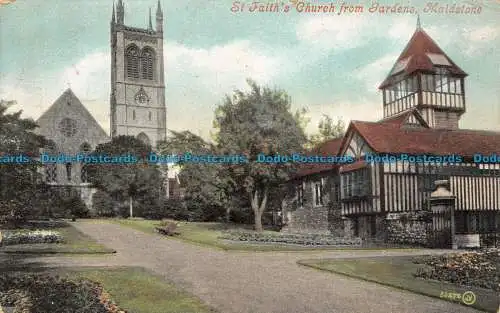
<point>137,104</point>
<point>423,100</point>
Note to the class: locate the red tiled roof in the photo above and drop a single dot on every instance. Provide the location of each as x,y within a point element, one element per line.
<point>392,138</point>
<point>417,48</point>
<point>353,166</point>
<point>328,148</point>
<point>397,119</point>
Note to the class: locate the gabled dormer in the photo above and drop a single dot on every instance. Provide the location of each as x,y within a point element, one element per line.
<point>426,79</point>
<point>410,119</point>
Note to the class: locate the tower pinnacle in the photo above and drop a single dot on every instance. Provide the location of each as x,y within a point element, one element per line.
<point>159,12</point>
<point>159,18</point>
<point>120,12</point>
<point>150,26</point>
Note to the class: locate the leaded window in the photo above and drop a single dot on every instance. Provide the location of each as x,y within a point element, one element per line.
<point>356,183</point>
<point>300,194</point>
<point>50,173</point>
<point>132,62</point>
<point>147,60</point>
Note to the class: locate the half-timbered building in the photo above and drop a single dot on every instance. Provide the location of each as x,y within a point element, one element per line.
<point>423,101</point>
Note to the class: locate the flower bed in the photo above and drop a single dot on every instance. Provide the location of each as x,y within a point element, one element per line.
<point>480,269</point>
<point>42,293</point>
<point>17,237</point>
<point>298,239</point>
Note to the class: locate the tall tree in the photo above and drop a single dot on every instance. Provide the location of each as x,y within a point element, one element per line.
<point>18,179</point>
<point>126,181</point>
<point>259,121</point>
<point>327,129</point>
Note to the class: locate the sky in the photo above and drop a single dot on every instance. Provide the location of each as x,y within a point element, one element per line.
<point>329,63</point>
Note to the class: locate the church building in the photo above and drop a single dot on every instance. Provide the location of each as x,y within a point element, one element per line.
<point>423,99</point>
<point>137,105</point>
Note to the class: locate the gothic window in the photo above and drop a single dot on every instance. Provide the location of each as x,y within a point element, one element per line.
<point>300,195</point>
<point>318,193</point>
<point>68,127</point>
<point>85,148</point>
<point>147,60</point>
<point>50,169</point>
<point>132,62</point>
<point>144,138</point>
<point>149,116</point>
<point>141,97</point>
<point>50,173</point>
<point>68,171</point>
<point>133,114</point>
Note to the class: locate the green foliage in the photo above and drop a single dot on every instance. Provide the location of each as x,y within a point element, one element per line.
<point>125,181</point>
<point>298,239</point>
<point>103,204</point>
<point>259,121</point>
<point>327,129</point>
<point>208,187</point>
<point>481,269</point>
<point>18,181</point>
<point>44,293</point>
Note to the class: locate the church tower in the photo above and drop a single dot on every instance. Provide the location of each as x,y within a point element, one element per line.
<point>426,79</point>
<point>137,78</point>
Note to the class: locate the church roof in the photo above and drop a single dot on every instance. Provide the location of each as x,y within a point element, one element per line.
<point>421,53</point>
<point>61,105</point>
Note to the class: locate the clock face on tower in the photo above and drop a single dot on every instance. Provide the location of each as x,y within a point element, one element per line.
<point>141,97</point>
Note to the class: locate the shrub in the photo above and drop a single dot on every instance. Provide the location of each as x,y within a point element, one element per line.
<point>297,239</point>
<point>30,237</point>
<point>44,293</point>
<point>481,269</point>
<point>102,204</point>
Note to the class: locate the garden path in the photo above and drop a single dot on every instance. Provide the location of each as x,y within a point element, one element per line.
<point>254,282</point>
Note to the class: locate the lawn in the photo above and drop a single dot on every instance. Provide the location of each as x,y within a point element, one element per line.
<point>75,242</point>
<point>137,290</point>
<point>207,234</point>
<point>133,289</point>
<point>398,272</point>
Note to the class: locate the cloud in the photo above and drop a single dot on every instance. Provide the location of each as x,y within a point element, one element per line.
<point>194,77</point>
<point>332,32</point>
<point>218,69</point>
<point>480,38</point>
<point>346,110</point>
<point>375,72</point>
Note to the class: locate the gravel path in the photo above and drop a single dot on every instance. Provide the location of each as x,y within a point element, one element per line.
<point>246,282</point>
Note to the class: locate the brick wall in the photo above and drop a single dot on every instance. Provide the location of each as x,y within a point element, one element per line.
<point>446,120</point>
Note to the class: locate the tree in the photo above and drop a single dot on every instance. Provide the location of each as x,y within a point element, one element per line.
<point>259,121</point>
<point>18,179</point>
<point>102,204</point>
<point>327,129</point>
<point>207,185</point>
<point>126,181</point>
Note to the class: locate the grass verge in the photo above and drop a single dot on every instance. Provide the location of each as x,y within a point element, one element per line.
<point>207,234</point>
<point>137,290</point>
<point>75,242</point>
<point>398,272</point>
<point>133,289</point>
